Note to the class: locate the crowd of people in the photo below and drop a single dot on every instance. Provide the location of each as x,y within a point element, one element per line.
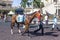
<point>4,16</point>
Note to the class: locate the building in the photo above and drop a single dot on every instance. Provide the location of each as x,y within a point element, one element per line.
<point>57,5</point>
<point>5,4</point>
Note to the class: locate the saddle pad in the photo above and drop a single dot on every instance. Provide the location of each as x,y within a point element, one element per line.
<point>20,18</point>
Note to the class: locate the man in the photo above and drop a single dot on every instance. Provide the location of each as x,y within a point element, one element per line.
<point>40,24</point>
<point>46,20</point>
<point>54,23</point>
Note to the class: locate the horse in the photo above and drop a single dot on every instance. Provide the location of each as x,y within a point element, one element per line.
<point>27,22</point>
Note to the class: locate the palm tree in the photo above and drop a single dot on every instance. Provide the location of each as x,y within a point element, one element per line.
<point>23,3</point>
<point>38,4</point>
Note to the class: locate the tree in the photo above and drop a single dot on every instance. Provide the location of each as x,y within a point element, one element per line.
<point>38,4</point>
<point>29,3</point>
<point>23,3</point>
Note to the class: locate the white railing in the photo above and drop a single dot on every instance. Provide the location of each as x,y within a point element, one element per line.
<point>57,6</point>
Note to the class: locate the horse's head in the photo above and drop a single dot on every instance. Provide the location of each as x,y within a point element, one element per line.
<point>34,14</point>
<point>37,13</point>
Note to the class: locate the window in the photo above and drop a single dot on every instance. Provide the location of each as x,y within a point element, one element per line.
<point>55,0</point>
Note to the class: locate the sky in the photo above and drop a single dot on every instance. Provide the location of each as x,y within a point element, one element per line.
<point>16,3</point>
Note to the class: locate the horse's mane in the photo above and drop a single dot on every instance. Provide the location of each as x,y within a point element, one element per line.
<point>31,13</point>
<point>33,16</point>
<point>30,16</point>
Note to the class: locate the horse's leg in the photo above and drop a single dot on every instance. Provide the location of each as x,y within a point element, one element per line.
<point>18,28</point>
<point>23,26</point>
<point>26,29</point>
<point>12,25</point>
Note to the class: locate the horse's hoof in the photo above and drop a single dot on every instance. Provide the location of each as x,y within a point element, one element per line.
<point>42,34</point>
<point>35,31</point>
<point>11,33</point>
<point>19,31</point>
<point>52,29</point>
<point>23,33</point>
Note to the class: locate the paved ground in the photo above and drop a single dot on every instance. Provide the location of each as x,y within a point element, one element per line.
<point>49,35</point>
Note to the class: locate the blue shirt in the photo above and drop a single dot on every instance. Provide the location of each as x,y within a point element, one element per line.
<point>55,20</point>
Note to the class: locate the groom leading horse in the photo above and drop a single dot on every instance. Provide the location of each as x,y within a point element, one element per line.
<point>26,22</point>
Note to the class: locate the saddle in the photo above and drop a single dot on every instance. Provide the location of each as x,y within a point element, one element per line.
<point>20,18</point>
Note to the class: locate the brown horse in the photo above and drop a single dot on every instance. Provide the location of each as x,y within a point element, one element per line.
<point>26,23</point>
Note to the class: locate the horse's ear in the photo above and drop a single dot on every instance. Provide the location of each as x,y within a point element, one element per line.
<point>39,11</point>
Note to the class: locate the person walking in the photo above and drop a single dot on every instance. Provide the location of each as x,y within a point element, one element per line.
<point>54,23</point>
<point>40,25</point>
<point>46,19</point>
<point>5,18</point>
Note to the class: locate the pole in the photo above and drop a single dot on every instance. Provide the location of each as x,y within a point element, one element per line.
<point>40,7</point>
<point>57,8</point>
<point>32,5</point>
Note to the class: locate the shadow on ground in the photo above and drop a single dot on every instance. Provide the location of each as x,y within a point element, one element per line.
<point>32,34</point>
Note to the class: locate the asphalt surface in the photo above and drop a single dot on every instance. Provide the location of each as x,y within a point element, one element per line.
<point>48,34</point>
